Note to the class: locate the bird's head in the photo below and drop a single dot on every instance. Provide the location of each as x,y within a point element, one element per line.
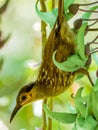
<point>26,95</point>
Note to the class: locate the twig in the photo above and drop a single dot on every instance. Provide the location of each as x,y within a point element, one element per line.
<point>60,10</point>
<point>92,29</point>
<point>44,124</point>
<point>88,4</point>
<point>91,19</point>
<point>43,25</point>
<point>51,99</point>
<point>93,41</point>
<point>50,120</point>
<point>88,10</point>
<point>53,4</point>
<point>43,36</point>
<point>85,72</point>
<point>92,23</point>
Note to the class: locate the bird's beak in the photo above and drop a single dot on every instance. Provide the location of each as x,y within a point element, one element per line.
<point>16,109</point>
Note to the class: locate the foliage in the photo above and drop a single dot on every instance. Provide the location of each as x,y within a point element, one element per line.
<point>50,17</point>
<point>85,107</point>
<point>69,65</point>
<point>86,115</point>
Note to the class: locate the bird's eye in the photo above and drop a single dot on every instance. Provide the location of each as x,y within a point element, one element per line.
<point>23,97</point>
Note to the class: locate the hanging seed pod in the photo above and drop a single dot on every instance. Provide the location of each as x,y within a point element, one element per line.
<point>73,8</point>
<point>77,24</point>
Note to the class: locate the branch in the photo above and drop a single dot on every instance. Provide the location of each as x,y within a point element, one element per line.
<point>53,4</point>
<point>43,25</point>
<point>60,9</point>
<point>43,36</point>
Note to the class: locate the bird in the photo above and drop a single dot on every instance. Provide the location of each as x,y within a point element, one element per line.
<point>51,81</point>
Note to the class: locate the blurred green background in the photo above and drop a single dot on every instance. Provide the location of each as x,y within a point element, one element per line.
<point>20,55</point>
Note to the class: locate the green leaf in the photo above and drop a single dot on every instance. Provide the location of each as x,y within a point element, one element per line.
<point>48,17</point>
<point>74,128</point>
<point>66,118</point>
<point>96,127</point>
<point>68,16</point>
<point>70,65</point>
<point>86,124</point>
<point>80,48</point>
<point>79,102</point>
<point>94,96</point>
<point>67,3</point>
<point>79,92</point>
<point>95,104</point>
<point>92,105</point>
<point>96,85</point>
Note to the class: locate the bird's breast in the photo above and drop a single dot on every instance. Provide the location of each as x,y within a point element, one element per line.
<point>54,81</point>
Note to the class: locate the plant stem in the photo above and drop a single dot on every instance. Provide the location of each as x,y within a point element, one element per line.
<point>43,25</point>
<point>53,4</point>
<point>93,41</point>
<point>92,23</point>
<point>51,99</point>
<point>84,71</point>
<point>92,29</point>
<point>60,9</point>
<point>88,4</point>
<point>44,124</point>
<point>50,120</point>
<point>88,10</point>
<point>43,36</point>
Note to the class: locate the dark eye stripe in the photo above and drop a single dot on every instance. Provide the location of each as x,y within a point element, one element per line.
<point>23,98</point>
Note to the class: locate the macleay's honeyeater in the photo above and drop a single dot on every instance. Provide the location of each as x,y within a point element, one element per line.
<point>51,81</point>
